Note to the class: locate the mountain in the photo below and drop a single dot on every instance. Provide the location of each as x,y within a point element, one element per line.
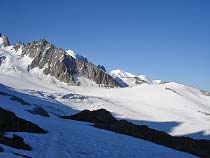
<point>39,84</point>
<point>64,66</point>
<point>127,79</point>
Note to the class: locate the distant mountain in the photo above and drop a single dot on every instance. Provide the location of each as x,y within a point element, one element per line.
<point>127,79</point>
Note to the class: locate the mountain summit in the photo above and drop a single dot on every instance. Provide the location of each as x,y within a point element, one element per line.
<point>127,79</point>
<point>66,66</point>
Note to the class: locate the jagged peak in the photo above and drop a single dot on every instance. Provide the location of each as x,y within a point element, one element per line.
<point>121,73</point>
<point>4,41</point>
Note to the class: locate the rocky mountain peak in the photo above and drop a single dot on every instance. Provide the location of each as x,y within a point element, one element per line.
<point>4,41</point>
<point>63,66</point>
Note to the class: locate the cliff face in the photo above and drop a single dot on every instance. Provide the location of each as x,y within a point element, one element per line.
<point>92,72</point>
<point>58,63</point>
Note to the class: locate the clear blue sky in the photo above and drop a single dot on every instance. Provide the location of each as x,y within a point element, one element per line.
<point>164,39</point>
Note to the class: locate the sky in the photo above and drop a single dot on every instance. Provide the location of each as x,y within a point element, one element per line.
<point>167,40</point>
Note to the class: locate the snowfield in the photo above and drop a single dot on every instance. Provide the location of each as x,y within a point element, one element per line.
<point>67,138</point>
<point>171,107</point>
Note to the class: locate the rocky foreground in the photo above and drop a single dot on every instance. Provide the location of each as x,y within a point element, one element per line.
<point>104,120</point>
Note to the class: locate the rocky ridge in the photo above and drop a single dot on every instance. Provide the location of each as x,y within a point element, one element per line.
<point>59,64</point>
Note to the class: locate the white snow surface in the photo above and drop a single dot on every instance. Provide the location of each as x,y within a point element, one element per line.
<point>121,74</point>
<point>174,108</point>
<point>128,79</point>
<point>71,53</point>
<point>1,42</point>
<point>67,138</point>
<point>75,55</point>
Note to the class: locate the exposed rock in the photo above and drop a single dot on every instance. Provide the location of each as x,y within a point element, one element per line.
<point>39,111</point>
<point>163,82</point>
<point>139,80</point>
<point>205,92</point>
<point>74,96</point>
<point>92,72</point>
<point>102,68</point>
<point>5,41</point>
<point>96,116</point>
<point>52,60</point>
<point>104,120</point>
<point>14,142</point>
<point>64,67</point>
<point>18,46</point>
<point>169,89</point>
<point>9,122</point>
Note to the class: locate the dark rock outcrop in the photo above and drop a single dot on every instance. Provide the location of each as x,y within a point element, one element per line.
<point>14,142</point>
<point>102,68</point>
<point>9,122</point>
<point>58,63</point>
<point>104,120</point>
<point>39,111</point>
<point>96,116</point>
<point>52,60</point>
<point>92,72</point>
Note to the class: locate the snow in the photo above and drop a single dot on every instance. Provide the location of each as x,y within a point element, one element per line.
<point>127,79</point>
<point>1,42</point>
<point>14,62</point>
<point>121,74</point>
<point>67,138</point>
<point>75,55</point>
<point>171,107</point>
<point>71,53</point>
<point>144,78</point>
<point>156,81</point>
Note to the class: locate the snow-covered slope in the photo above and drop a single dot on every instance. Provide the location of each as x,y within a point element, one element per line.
<point>68,138</point>
<point>127,79</point>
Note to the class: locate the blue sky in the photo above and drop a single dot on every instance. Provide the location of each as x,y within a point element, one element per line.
<point>167,40</point>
